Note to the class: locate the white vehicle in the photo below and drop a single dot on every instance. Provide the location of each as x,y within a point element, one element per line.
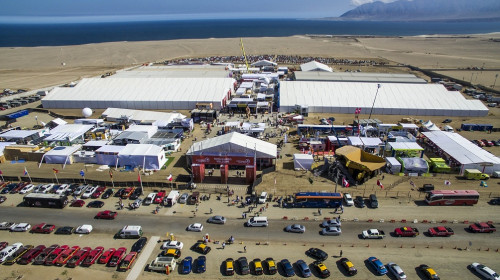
<point>263,198</point>
<point>89,191</point>
<point>9,251</point>
<point>27,189</point>
<point>160,264</point>
<point>130,232</point>
<point>373,234</point>
<point>396,271</point>
<point>485,271</point>
<point>184,197</point>
<point>348,200</point>
<point>62,189</point>
<point>84,229</point>
<point>172,245</point>
<point>21,227</point>
<point>171,199</point>
<point>195,227</point>
<point>46,188</point>
<point>335,231</point>
<point>37,189</point>
<point>332,223</point>
<point>257,222</point>
<point>81,189</point>
<point>150,198</point>
<point>7,225</point>
<point>136,204</point>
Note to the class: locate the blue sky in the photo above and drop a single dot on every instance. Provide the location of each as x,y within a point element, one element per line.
<point>116,10</point>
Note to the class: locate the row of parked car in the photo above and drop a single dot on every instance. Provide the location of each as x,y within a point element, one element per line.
<point>70,256</point>
<point>486,143</point>
<point>45,228</point>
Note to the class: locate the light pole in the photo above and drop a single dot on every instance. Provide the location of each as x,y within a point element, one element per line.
<point>374,99</point>
<point>496,76</point>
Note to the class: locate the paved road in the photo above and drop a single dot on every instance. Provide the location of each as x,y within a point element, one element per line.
<point>160,225</point>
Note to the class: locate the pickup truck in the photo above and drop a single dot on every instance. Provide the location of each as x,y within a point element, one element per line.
<point>43,228</point>
<point>406,232</point>
<point>109,215</point>
<point>160,264</point>
<point>482,227</point>
<point>373,234</point>
<point>440,231</point>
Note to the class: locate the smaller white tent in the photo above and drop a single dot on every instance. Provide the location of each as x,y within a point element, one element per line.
<point>263,62</point>
<point>60,154</point>
<point>302,161</point>
<point>393,165</point>
<point>108,155</point>
<point>147,156</point>
<point>315,66</point>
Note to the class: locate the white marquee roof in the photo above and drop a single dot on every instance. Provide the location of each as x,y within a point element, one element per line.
<point>139,115</point>
<point>68,131</point>
<point>405,146</point>
<point>141,149</point>
<point>234,143</point>
<point>264,63</point>
<point>461,149</point>
<point>315,66</point>
<point>357,77</point>
<point>141,93</point>
<point>392,99</point>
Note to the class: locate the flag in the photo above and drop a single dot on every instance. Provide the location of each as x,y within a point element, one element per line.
<point>139,176</point>
<point>25,171</point>
<point>380,184</point>
<point>110,174</point>
<point>55,170</point>
<point>345,183</point>
<point>447,183</point>
<point>170,178</point>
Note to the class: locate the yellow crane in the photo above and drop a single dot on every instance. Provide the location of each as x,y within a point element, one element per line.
<point>244,54</point>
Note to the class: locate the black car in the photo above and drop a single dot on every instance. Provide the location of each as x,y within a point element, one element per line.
<point>8,188</point>
<point>287,267</point>
<point>316,253</point>
<point>359,201</point>
<point>119,192</point>
<point>244,268</point>
<point>2,198</point>
<point>447,121</point>
<point>495,201</point>
<point>373,201</point>
<point>107,193</point>
<point>95,204</point>
<point>64,230</point>
<point>139,244</point>
<point>135,195</point>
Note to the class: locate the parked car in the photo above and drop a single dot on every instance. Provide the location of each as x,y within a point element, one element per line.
<point>3,245</point>
<point>321,269</point>
<point>64,230</point>
<point>295,228</point>
<point>95,204</point>
<point>106,256</point>
<point>243,264</point>
<point>117,256</point>
<point>7,225</point>
<point>84,229</point>
<point>8,188</point>
<point>303,268</point>
<point>202,248</point>
<point>93,256</point>
<point>89,191</point>
<point>195,227</point>
<point>107,194</point>
<point>172,244</point>
<point>200,264</point>
<point>139,245</point>
<point>428,272</point>
<point>127,192</point>
<point>119,192</point>
<point>335,222</point>
<point>440,231</point>
<point>78,257</point>
<point>43,228</point>
<point>377,265</point>
<point>271,266</point>
<point>257,267</point>
<point>9,251</point>
<point>77,203</point>
<point>65,255</point>
<point>359,202</point>
<point>396,271</point>
<point>183,198</point>
<point>348,199</point>
<point>217,220</point>
<point>3,198</point>
<point>229,266</point>
<point>187,265</point>
<point>29,256</point>
<point>317,254</point>
<point>485,271</point>
<point>21,227</point>
<point>99,191</point>
<point>46,188</point>
<point>40,259</point>
<point>127,261</point>
<point>287,268</point>
<point>80,190</point>
<point>348,266</point>
<point>495,201</point>
<point>12,259</point>
<point>62,189</point>
<point>135,195</point>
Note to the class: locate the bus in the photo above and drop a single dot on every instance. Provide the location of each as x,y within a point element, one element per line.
<point>452,197</point>
<point>315,200</point>
<point>45,200</point>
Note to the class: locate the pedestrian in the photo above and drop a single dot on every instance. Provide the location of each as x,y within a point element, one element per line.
<point>341,253</point>
<point>211,211</point>
<point>223,245</point>
<point>383,176</point>
<point>245,249</point>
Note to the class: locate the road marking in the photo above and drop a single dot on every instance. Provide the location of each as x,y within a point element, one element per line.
<point>141,262</point>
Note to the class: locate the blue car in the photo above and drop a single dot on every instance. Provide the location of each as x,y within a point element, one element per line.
<point>377,265</point>
<point>304,268</point>
<point>201,262</point>
<point>186,265</point>
<point>287,268</point>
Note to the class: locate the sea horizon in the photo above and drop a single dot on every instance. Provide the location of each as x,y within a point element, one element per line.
<point>59,34</point>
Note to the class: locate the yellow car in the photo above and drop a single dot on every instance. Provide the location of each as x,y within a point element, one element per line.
<point>229,266</point>
<point>429,272</point>
<point>322,270</point>
<point>349,267</point>
<point>271,266</point>
<point>257,267</point>
<point>176,253</point>
<point>202,248</point>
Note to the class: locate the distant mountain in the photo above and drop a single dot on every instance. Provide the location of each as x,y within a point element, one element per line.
<point>412,10</point>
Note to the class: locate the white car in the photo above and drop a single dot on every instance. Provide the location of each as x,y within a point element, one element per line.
<point>84,229</point>
<point>485,271</point>
<point>81,189</point>
<point>21,227</point>
<point>27,189</point>
<point>9,251</point>
<point>348,200</point>
<point>332,223</point>
<point>89,191</point>
<point>46,188</point>
<point>183,199</point>
<point>195,227</point>
<point>37,189</point>
<point>172,245</point>
<point>396,271</point>
<point>335,231</point>
<point>7,225</point>
<point>62,189</point>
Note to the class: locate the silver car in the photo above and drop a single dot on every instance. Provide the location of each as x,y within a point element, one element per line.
<point>332,223</point>
<point>217,220</point>
<point>396,270</point>
<point>335,231</point>
<point>183,198</point>
<point>296,228</point>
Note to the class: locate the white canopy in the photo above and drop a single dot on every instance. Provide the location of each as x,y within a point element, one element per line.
<point>147,156</point>
<point>149,129</point>
<point>108,154</point>
<point>315,66</point>
<point>302,161</point>
<point>60,154</point>
<point>68,132</point>
<point>405,146</point>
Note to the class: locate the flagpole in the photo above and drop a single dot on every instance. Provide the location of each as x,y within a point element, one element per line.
<point>27,173</point>
<point>140,180</point>
<point>57,180</point>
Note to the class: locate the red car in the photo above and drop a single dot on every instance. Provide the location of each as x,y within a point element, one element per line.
<point>159,197</point>
<point>441,231</point>
<point>64,257</point>
<point>406,232</point>
<point>19,187</point>
<point>3,184</point>
<point>31,254</point>
<point>93,256</point>
<point>98,192</point>
<point>3,245</point>
<point>78,257</point>
<point>109,215</point>
<point>78,203</point>
<point>40,259</point>
<point>54,255</point>
<point>117,257</point>
<point>43,228</point>
<point>106,256</point>
<point>127,262</point>
<point>128,192</point>
<point>482,227</point>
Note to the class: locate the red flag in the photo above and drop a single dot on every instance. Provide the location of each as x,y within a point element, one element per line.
<point>139,176</point>
<point>110,174</point>
<point>380,184</point>
<point>170,178</point>
<point>55,170</point>
<point>345,182</point>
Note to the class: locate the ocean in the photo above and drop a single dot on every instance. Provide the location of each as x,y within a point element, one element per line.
<point>30,35</point>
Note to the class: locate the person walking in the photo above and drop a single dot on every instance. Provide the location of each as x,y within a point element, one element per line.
<point>245,249</point>
<point>223,245</point>
<point>341,253</point>
<point>211,211</point>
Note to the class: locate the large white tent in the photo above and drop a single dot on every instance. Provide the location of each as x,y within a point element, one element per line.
<point>147,156</point>
<point>142,93</point>
<point>322,76</point>
<point>315,66</point>
<point>115,114</point>
<point>108,155</point>
<point>60,155</point>
<point>391,99</point>
<point>302,161</point>
<point>467,154</point>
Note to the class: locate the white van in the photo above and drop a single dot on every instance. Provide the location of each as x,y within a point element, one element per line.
<point>130,232</point>
<point>263,198</point>
<point>9,250</point>
<point>257,222</point>
<point>171,198</point>
<point>150,198</point>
